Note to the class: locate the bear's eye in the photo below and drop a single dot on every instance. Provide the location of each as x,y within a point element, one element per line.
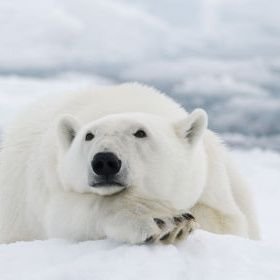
<point>140,134</point>
<point>89,136</point>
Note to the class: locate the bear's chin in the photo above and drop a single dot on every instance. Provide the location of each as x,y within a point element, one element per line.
<point>107,190</point>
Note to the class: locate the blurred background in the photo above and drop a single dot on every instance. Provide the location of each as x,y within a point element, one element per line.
<point>221,55</point>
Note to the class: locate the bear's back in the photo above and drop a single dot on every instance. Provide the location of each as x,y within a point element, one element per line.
<point>90,105</point>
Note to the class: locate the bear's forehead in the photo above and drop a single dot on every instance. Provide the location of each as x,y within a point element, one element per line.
<point>116,124</point>
<point>125,122</point>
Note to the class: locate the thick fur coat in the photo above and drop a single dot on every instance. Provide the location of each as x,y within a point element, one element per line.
<point>124,162</point>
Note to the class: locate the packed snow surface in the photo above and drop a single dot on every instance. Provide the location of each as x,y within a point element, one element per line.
<point>203,256</point>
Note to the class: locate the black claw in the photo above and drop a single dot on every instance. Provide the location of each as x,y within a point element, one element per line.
<point>179,234</point>
<point>159,222</point>
<point>149,239</point>
<point>188,216</point>
<point>166,236</point>
<point>178,220</point>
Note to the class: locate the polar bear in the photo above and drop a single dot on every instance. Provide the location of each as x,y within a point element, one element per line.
<point>124,162</point>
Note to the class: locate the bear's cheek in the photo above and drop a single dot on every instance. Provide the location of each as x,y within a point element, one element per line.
<point>73,173</point>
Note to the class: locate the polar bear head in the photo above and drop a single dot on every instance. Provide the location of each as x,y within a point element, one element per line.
<point>146,152</point>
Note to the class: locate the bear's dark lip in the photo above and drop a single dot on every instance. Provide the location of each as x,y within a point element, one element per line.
<point>107,184</point>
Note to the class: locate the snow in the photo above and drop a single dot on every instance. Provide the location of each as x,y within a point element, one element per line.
<point>262,170</point>
<point>17,92</point>
<point>202,256</point>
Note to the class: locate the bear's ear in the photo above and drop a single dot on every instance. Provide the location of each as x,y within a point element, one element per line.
<point>67,129</point>
<point>193,127</point>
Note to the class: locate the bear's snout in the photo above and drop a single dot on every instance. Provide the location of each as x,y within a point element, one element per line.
<point>106,164</point>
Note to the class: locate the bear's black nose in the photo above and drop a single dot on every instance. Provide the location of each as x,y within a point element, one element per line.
<point>106,164</point>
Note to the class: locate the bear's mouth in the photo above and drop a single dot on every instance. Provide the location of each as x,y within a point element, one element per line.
<point>107,184</point>
<point>106,188</point>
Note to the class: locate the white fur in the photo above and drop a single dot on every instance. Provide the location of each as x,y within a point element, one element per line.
<point>45,169</point>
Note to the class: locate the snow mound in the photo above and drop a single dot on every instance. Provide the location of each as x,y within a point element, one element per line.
<point>202,256</point>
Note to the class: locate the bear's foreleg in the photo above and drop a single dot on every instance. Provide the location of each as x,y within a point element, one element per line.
<point>123,217</point>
